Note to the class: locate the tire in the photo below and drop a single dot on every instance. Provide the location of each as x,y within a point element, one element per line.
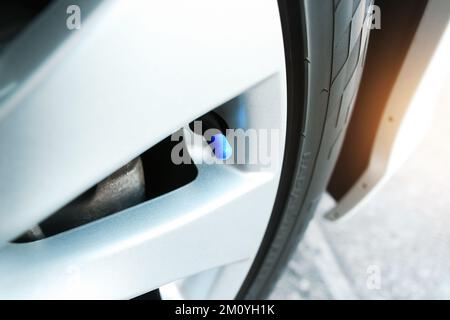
<point>325,45</point>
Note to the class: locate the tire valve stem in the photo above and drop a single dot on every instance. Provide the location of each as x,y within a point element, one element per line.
<point>217,140</point>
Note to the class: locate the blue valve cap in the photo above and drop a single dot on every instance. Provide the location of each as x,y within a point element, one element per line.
<point>222,148</point>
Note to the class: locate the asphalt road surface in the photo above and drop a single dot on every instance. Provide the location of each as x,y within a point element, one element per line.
<point>396,247</point>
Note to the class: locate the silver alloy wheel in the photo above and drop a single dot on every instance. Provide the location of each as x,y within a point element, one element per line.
<point>77,105</point>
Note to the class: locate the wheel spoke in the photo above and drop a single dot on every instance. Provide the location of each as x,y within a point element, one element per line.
<point>144,247</point>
